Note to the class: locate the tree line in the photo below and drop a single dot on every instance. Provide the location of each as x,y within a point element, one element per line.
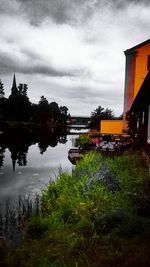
<point>18,107</point>
<point>102,114</point>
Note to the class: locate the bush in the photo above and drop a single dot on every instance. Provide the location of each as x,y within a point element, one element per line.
<point>82,140</point>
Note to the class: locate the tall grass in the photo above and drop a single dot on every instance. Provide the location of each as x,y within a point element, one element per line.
<point>87,218</point>
<point>13,219</point>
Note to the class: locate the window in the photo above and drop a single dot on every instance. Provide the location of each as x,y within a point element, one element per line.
<point>148,62</point>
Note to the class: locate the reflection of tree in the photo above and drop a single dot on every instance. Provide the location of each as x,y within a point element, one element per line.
<point>42,147</point>
<point>18,154</point>
<point>2,155</point>
<point>46,139</point>
<point>2,93</point>
<point>22,161</point>
<point>19,140</point>
<point>63,139</point>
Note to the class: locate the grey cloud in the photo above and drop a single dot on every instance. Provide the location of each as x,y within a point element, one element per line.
<point>11,7</point>
<point>62,11</point>
<point>32,55</point>
<point>10,64</point>
<point>69,10</point>
<point>87,94</point>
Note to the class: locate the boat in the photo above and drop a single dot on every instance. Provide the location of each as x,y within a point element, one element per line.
<point>74,155</point>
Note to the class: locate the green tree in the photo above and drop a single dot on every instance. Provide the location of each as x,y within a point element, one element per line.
<point>100,114</point>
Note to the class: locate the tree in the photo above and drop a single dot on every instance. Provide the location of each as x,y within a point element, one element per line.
<point>3,102</point>
<point>1,89</point>
<point>64,115</point>
<point>54,111</point>
<point>100,114</point>
<point>64,110</point>
<point>19,106</point>
<point>43,109</point>
<point>22,89</point>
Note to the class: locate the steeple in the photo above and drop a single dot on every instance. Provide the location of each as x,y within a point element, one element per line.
<point>14,90</point>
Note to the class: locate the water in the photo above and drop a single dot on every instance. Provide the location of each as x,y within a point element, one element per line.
<point>28,161</point>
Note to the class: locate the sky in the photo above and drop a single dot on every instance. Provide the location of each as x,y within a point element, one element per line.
<point>71,51</point>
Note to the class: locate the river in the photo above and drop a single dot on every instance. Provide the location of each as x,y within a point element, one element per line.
<point>28,162</point>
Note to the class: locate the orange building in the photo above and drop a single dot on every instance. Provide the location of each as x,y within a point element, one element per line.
<point>137,67</point>
<point>111,126</point>
<point>140,115</point>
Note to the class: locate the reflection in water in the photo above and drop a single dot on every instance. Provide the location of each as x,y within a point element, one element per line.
<point>36,157</point>
<point>18,142</point>
<point>2,155</point>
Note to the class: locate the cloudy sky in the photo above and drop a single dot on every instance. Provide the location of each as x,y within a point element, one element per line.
<point>71,51</point>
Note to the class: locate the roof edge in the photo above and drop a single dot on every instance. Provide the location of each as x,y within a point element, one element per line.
<point>130,50</point>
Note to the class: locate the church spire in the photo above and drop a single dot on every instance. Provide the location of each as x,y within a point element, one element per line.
<point>14,90</point>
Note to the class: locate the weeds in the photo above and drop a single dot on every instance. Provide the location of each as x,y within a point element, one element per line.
<point>89,218</point>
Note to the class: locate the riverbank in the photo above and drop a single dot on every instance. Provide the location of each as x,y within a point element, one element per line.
<point>31,125</point>
<point>97,216</point>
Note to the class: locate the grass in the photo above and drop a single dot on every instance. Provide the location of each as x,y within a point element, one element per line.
<point>97,216</point>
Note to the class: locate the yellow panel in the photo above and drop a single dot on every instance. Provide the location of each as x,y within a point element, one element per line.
<point>141,67</point>
<point>111,126</point>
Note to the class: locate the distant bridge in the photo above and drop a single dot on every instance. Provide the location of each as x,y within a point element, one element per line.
<point>77,126</point>
<point>78,122</point>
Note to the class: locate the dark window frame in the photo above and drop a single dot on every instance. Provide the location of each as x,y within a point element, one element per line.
<point>148,62</point>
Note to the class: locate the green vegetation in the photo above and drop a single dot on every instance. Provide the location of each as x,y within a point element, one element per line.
<point>97,216</point>
<point>100,114</point>
<point>82,140</point>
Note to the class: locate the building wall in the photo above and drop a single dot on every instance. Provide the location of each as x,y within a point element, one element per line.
<point>135,73</point>
<point>141,66</point>
<point>129,81</point>
<point>111,126</point>
<point>148,128</point>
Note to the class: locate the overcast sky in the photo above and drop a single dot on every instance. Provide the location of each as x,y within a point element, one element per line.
<point>71,51</point>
